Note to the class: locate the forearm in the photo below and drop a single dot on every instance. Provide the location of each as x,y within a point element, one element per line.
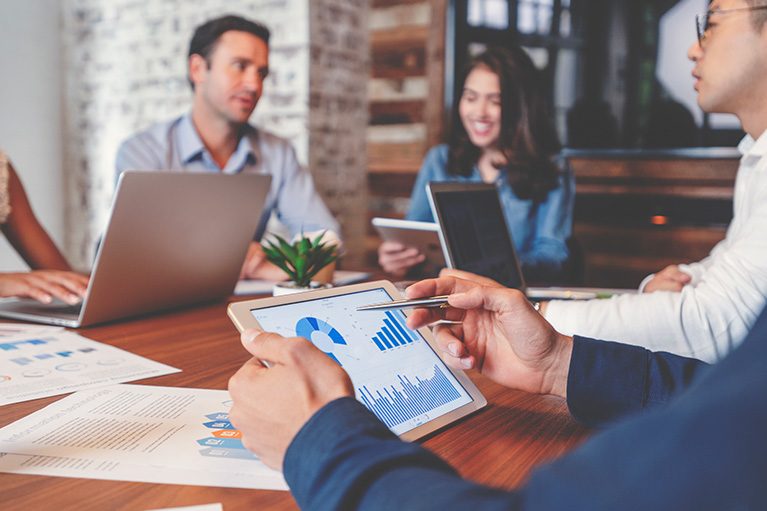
<point>698,322</point>
<point>26,234</point>
<point>345,458</point>
<point>608,380</point>
<point>36,248</point>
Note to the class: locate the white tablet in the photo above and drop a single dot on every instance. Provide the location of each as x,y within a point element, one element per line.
<point>396,371</point>
<point>421,235</point>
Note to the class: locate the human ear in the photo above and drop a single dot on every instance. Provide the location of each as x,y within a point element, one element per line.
<point>198,67</point>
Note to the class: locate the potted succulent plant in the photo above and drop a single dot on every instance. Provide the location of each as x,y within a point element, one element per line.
<point>301,260</point>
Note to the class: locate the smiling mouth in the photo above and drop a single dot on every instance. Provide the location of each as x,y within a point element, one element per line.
<point>481,127</point>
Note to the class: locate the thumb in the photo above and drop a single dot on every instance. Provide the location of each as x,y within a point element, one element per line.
<point>266,346</point>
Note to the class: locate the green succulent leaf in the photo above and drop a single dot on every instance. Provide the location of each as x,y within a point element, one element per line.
<point>302,259</point>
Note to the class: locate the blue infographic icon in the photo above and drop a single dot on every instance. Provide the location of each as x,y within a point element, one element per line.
<point>322,335</point>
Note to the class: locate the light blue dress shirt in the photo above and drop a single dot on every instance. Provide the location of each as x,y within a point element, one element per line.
<point>539,229</point>
<point>175,146</point>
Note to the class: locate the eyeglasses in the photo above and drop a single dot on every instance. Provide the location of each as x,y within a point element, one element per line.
<point>701,20</point>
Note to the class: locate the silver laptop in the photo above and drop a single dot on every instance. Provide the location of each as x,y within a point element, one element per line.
<point>173,239</point>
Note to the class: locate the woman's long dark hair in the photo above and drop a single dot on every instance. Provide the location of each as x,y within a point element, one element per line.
<point>528,137</point>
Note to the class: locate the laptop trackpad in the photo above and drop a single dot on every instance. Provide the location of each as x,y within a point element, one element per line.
<point>55,309</point>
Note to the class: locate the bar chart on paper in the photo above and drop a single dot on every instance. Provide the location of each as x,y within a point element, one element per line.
<point>24,358</point>
<point>396,404</point>
<point>55,361</point>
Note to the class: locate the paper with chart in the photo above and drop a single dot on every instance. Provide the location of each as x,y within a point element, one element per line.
<point>178,435</point>
<point>39,361</point>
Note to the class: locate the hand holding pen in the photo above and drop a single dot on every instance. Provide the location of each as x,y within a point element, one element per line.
<point>500,334</point>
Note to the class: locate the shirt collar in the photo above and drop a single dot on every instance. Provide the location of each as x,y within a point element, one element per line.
<point>751,148</point>
<point>191,147</point>
<point>189,143</point>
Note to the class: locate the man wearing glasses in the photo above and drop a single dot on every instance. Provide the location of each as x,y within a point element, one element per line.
<point>704,448</point>
<point>709,306</point>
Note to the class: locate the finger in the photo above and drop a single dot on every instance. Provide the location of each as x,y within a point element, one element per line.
<point>74,283</point>
<point>458,363</point>
<point>490,299</point>
<point>243,381</point>
<point>248,336</point>
<point>421,317</point>
<point>45,282</point>
<point>251,265</point>
<point>33,292</point>
<point>276,349</point>
<point>404,255</point>
<point>389,247</point>
<point>681,277</point>
<point>422,288</point>
<point>465,275</point>
<point>403,264</point>
<point>448,340</point>
<point>439,286</point>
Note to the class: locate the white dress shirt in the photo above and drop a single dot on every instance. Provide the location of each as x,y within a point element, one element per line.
<point>712,314</point>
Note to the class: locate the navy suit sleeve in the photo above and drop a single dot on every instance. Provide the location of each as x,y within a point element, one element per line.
<point>608,379</point>
<point>345,458</point>
<point>707,451</point>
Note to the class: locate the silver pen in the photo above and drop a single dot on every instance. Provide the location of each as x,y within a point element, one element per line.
<point>429,301</point>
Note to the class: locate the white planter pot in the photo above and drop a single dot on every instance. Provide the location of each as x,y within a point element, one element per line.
<point>289,288</point>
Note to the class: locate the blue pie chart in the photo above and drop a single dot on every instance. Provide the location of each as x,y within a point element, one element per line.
<point>322,335</point>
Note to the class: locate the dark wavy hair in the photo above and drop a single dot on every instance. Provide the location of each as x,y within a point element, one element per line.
<point>528,138</point>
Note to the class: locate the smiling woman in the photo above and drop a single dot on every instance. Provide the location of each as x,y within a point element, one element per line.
<point>503,133</point>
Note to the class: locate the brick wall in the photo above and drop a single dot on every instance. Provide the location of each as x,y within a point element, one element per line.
<point>124,63</point>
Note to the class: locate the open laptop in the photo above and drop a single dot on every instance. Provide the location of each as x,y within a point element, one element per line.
<point>475,237</point>
<point>173,239</point>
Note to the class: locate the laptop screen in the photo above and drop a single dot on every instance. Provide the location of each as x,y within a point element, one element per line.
<point>475,232</point>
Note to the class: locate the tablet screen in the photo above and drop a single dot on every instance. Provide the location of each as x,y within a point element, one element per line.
<point>395,373</point>
<point>475,231</point>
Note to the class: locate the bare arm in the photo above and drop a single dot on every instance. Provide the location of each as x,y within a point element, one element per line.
<point>26,234</point>
<point>53,276</point>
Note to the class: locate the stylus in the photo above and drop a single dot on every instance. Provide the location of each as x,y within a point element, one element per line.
<point>431,301</point>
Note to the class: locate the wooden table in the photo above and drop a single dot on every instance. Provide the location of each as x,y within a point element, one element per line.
<point>497,446</point>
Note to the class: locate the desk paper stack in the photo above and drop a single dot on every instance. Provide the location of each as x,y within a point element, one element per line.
<point>40,361</point>
<point>136,433</point>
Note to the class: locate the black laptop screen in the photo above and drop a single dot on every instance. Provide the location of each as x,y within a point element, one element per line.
<point>475,232</point>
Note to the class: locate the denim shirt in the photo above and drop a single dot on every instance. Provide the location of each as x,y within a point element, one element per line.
<point>539,229</point>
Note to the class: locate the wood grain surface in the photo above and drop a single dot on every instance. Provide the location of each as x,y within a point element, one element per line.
<point>497,446</point>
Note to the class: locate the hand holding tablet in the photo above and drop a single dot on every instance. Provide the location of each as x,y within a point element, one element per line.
<point>395,371</point>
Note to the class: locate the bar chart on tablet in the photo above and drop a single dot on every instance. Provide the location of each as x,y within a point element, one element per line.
<point>394,405</point>
<point>395,372</point>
